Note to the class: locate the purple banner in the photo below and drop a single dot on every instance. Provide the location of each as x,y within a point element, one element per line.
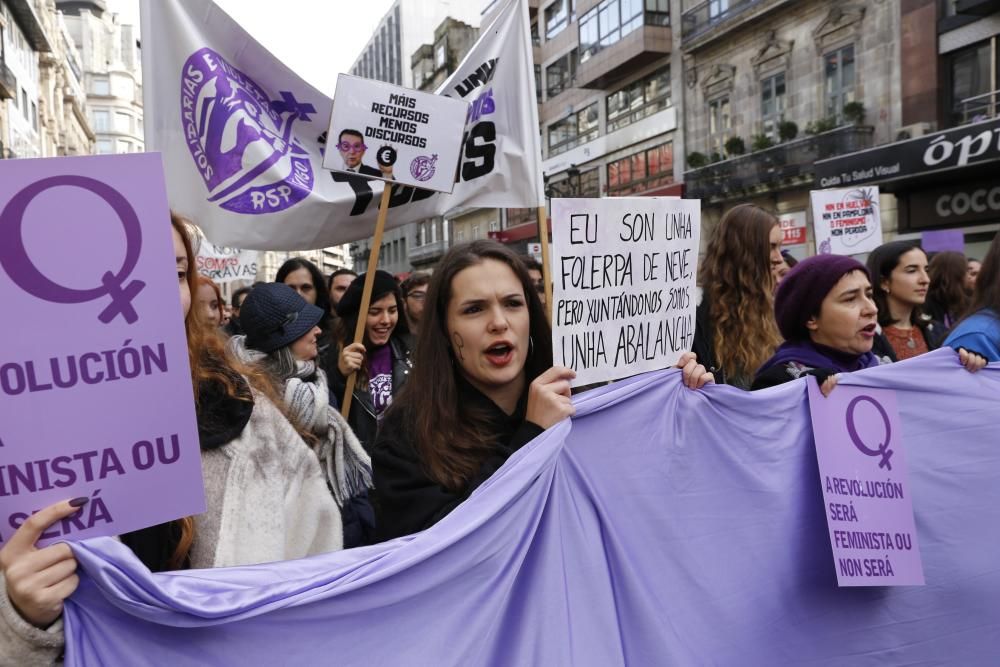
<point>943,239</point>
<point>866,492</point>
<point>95,387</point>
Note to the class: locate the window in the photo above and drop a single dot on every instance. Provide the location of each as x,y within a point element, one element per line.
<point>538,83</point>
<point>558,15</point>
<point>575,129</point>
<point>719,124</point>
<point>459,234</point>
<point>584,184</point>
<point>123,147</point>
<point>440,56</point>
<point>839,86</point>
<point>24,103</point>
<point>642,171</point>
<point>639,99</point>
<point>495,226</point>
<point>772,104</point>
<point>101,120</point>
<point>611,20</point>
<point>103,146</point>
<point>475,232</point>
<point>100,86</point>
<point>34,116</point>
<point>535,40</point>
<point>123,122</point>
<point>716,8</point>
<point>561,74</point>
<point>971,83</point>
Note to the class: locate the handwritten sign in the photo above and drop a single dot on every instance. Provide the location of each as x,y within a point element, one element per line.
<point>382,131</point>
<point>866,492</point>
<point>624,284</point>
<point>95,388</point>
<point>225,265</point>
<point>846,221</point>
<point>793,228</point>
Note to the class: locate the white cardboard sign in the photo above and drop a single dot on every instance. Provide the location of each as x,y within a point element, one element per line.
<point>624,284</point>
<point>846,221</point>
<point>394,134</point>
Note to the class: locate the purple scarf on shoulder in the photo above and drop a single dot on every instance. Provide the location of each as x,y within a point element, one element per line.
<point>815,355</point>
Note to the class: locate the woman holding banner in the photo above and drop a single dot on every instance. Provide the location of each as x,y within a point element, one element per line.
<point>382,361</point>
<point>980,331</point>
<point>264,491</point>
<point>734,329</point>
<point>826,312</point>
<point>484,386</point>
<point>281,336</point>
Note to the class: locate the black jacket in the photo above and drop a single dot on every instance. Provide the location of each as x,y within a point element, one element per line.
<point>406,499</point>
<point>362,419</point>
<point>704,346</point>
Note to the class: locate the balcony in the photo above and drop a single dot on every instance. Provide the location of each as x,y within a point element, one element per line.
<point>708,21</point>
<point>976,109</point>
<point>23,12</point>
<point>8,82</point>
<point>428,253</point>
<point>785,166</point>
<point>602,65</point>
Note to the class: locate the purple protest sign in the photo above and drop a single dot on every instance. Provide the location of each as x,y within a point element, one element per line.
<point>866,491</point>
<point>95,387</point>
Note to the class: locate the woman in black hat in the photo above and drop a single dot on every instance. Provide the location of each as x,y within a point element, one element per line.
<point>282,332</point>
<point>382,361</point>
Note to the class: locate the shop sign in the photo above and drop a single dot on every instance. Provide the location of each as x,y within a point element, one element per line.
<point>960,204</point>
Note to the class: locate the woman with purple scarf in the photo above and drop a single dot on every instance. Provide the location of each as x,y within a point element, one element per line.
<point>826,313</point>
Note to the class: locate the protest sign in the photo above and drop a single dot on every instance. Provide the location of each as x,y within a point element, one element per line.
<point>847,221</point>
<point>943,240</point>
<point>95,387</point>
<point>624,296</point>
<point>413,137</point>
<point>793,228</point>
<point>866,489</point>
<point>224,265</point>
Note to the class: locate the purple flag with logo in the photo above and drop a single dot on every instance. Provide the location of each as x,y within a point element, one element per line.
<point>662,526</point>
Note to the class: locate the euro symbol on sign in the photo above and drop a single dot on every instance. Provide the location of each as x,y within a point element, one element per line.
<point>15,260</point>
<point>883,448</point>
<point>386,156</point>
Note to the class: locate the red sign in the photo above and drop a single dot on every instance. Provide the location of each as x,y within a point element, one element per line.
<point>793,228</point>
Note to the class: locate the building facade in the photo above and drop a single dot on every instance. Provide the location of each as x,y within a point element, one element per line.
<point>112,74</point>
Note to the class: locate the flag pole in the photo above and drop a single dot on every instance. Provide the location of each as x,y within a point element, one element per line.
<point>543,236</point>
<point>366,295</point>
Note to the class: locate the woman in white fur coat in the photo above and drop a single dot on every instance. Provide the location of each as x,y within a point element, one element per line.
<point>282,334</point>
<point>266,496</point>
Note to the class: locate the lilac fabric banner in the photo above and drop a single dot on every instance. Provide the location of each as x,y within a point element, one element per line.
<point>861,451</point>
<point>95,387</point>
<point>662,526</point>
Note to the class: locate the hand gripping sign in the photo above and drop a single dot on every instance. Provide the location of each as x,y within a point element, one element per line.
<point>18,265</point>
<point>95,388</point>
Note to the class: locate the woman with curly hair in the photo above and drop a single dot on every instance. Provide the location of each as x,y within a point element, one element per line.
<point>947,299</point>
<point>735,331</point>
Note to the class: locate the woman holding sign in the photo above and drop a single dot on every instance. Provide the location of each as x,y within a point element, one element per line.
<point>264,491</point>
<point>484,387</point>
<point>827,314</point>
<point>735,330</point>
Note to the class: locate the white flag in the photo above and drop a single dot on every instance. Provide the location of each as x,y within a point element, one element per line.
<point>242,135</point>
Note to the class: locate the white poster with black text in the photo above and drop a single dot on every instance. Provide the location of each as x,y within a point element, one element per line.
<point>624,284</point>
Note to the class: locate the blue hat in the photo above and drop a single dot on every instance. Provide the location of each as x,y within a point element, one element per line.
<point>274,315</point>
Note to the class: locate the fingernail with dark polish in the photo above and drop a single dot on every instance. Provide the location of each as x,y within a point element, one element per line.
<point>79,502</point>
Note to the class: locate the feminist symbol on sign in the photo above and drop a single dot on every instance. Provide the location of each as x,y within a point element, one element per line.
<point>883,449</point>
<point>15,261</point>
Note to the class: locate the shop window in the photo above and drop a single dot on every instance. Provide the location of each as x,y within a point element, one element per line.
<point>839,81</point>
<point>639,99</point>
<point>772,104</point>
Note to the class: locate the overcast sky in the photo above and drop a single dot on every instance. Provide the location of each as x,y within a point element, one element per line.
<point>317,38</point>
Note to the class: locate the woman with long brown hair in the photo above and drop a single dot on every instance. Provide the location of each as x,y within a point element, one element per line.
<point>735,331</point>
<point>947,299</point>
<point>979,332</point>
<point>265,495</point>
<point>483,387</point>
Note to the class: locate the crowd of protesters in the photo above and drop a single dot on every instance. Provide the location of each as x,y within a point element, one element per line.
<point>453,372</point>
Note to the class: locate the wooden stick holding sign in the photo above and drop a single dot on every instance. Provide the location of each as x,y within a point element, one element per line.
<point>543,236</point>
<point>366,294</point>
<point>413,136</point>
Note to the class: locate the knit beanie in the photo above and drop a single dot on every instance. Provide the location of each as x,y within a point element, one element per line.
<point>274,315</point>
<point>350,303</point>
<point>803,289</point>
